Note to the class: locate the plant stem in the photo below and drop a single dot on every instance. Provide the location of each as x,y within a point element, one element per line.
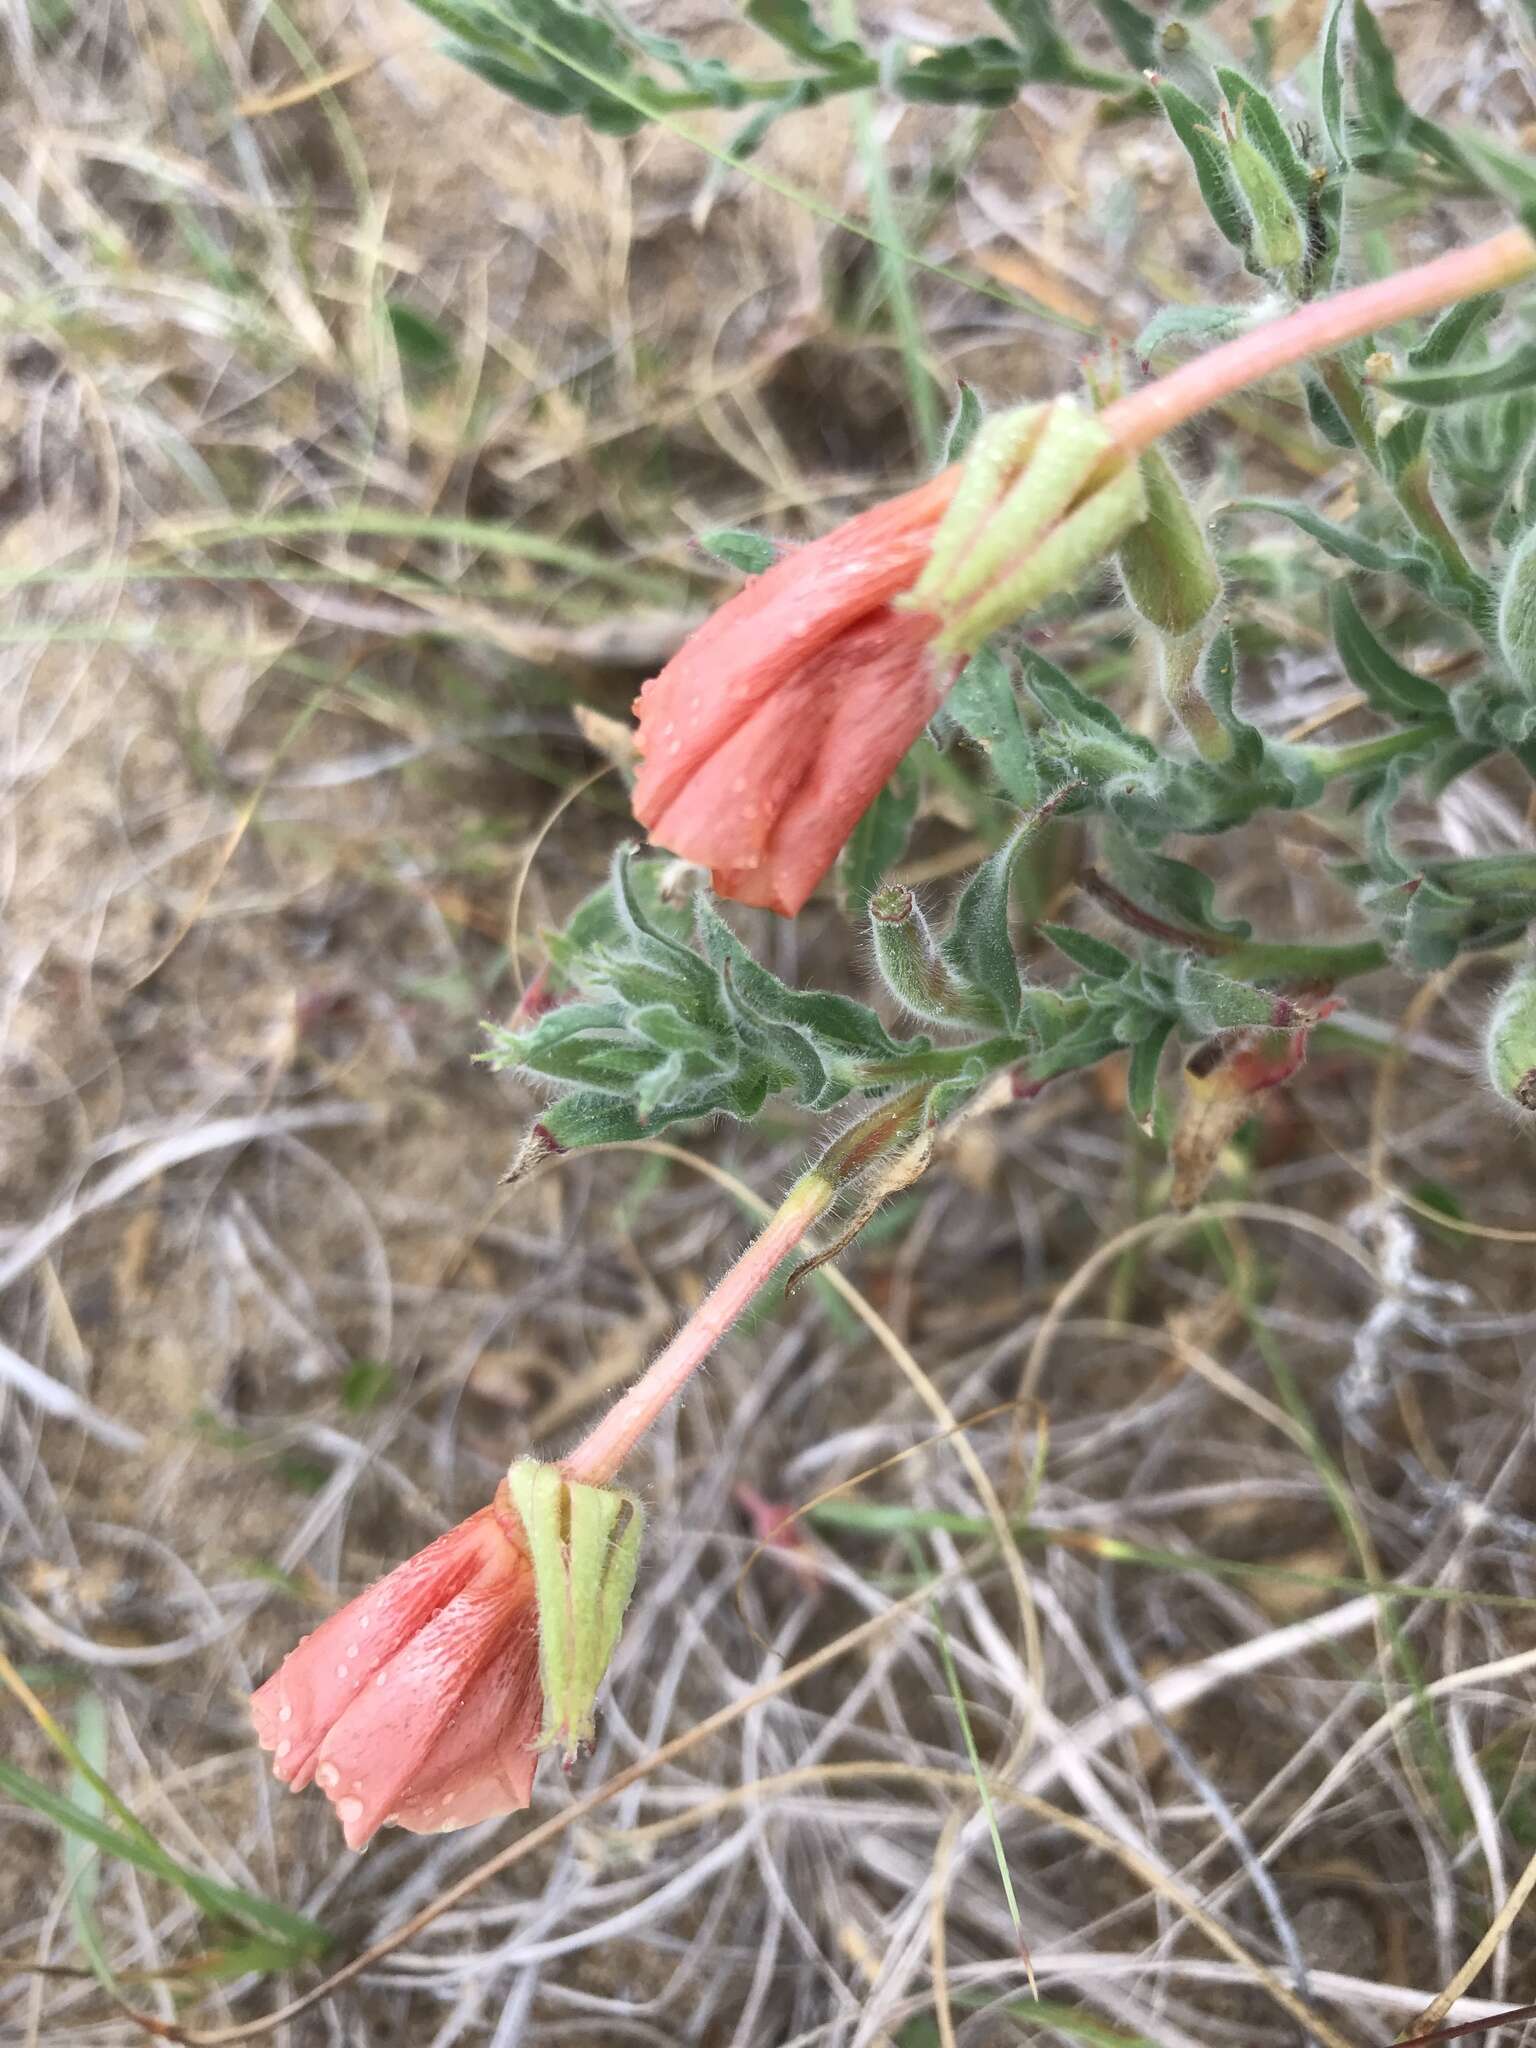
<point>1316,329</point>
<point>1331,762</point>
<point>599,1455</point>
<point>892,1121</point>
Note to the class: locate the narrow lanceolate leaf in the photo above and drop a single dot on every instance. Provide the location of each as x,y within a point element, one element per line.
<point>1095,956</point>
<point>964,424</point>
<point>979,944</point>
<point>1331,80</point>
<point>1464,383</point>
<point>1507,173</point>
<point>985,704</point>
<point>879,839</point>
<point>1192,125</point>
<point>1210,1002</point>
<point>1377,674</point>
<point>1171,888</point>
<point>751,553</point>
<point>1267,132</point>
<point>1141,1080</point>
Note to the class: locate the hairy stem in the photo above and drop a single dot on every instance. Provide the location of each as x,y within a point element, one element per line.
<point>1317,329</point>
<point>600,1454</point>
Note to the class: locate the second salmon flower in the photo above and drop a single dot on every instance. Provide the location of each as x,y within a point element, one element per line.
<point>424,1704</point>
<point>770,733</point>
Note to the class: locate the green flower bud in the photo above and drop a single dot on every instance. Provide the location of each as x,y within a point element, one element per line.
<point>1510,1046</point>
<point>1278,237</point>
<point>1166,562</point>
<point>584,1542</point>
<point>913,968</point>
<point>1517,613</point>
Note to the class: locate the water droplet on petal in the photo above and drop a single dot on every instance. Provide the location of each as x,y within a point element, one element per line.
<point>282,1750</point>
<point>285,1712</point>
<point>341,1670</point>
<point>327,1777</point>
<point>351,1649</point>
<point>366,1622</point>
<point>381,1678</point>
<point>348,1811</point>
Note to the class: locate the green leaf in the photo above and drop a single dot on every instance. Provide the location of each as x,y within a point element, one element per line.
<point>1141,1079</point>
<point>836,1022</point>
<point>751,553</point>
<point>1506,173</point>
<point>792,24</point>
<point>1218,189</point>
<point>979,944</point>
<point>879,839</point>
<point>1094,956</point>
<point>1375,80</point>
<point>1453,330</point>
<point>1134,30</point>
<point>963,426</point>
<point>1461,385</point>
<point>1049,59</point>
<point>1343,542</point>
<point>1210,1002</point>
<point>984,72</point>
<point>423,346</point>
<point>1331,81</point>
<point>1377,674</point>
<point>291,1931</point>
<point>984,703</point>
<point>1170,887</point>
<point>1260,121</point>
<point>1077,713</point>
<point>1204,324</point>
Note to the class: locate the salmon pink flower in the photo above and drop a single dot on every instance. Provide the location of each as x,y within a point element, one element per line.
<point>772,730</point>
<point>419,1704</point>
<point>770,733</point>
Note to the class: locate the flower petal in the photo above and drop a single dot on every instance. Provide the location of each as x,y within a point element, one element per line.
<point>321,1676</point>
<point>754,645</point>
<point>438,1709</point>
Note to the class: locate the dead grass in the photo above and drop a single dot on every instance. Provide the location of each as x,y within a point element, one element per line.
<point>268,790</point>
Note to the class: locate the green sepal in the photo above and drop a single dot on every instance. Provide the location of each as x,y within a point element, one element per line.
<point>584,1542</point>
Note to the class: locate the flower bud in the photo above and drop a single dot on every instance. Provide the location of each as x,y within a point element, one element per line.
<point>1510,1047</point>
<point>913,968</point>
<point>1517,613</point>
<point>1278,241</point>
<point>585,1545</point>
<point>1166,562</point>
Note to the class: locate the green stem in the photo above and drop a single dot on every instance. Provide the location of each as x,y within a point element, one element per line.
<point>922,394</point>
<point>1416,497</point>
<point>1332,762</point>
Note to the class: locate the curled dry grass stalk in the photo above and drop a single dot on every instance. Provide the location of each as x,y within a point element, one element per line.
<point>351,425</point>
